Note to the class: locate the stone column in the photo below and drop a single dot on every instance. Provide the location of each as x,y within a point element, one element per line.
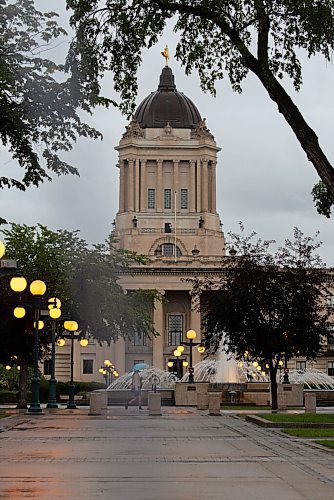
<point>121,187</point>
<point>205,187</point>
<point>130,186</point>
<point>176,185</point>
<point>136,185</point>
<point>158,342</point>
<point>143,196</point>
<point>192,184</point>
<point>120,356</point>
<point>199,186</point>
<point>159,186</point>
<point>195,324</point>
<point>213,207</point>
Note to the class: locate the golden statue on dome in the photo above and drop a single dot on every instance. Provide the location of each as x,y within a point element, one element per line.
<point>165,54</point>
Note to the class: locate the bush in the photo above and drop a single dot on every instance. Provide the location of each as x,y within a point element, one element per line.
<point>8,397</point>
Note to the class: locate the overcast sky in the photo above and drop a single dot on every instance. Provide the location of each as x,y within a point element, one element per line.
<point>263,176</point>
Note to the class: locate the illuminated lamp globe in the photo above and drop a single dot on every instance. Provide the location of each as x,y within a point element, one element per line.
<point>18,284</point>
<point>54,313</point>
<point>201,349</point>
<point>101,370</point>
<point>71,326</point>
<point>185,363</point>
<point>255,364</point>
<point>258,368</point>
<point>177,353</point>
<point>60,342</point>
<point>191,334</point>
<point>107,362</point>
<point>267,366</point>
<point>38,287</point>
<point>18,368</point>
<point>240,364</point>
<point>180,348</point>
<point>54,303</point>
<point>170,364</point>
<point>40,324</point>
<point>116,374</point>
<point>2,249</point>
<point>263,374</point>
<point>8,367</point>
<point>83,342</point>
<point>19,312</point>
<point>280,363</point>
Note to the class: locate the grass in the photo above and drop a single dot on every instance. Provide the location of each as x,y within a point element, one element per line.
<point>329,443</point>
<point>310,433</point>
<point>4,415</point>
<point>244,407</point>
<point>316,418</point>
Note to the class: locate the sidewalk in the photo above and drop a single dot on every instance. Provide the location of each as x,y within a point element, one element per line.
<point>182,455</point>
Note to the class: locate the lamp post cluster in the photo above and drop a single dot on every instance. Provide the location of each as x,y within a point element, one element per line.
<point>191,336</point>
<point>108,370</point>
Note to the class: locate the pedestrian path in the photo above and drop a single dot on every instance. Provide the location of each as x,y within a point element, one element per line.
<point>183,455</point>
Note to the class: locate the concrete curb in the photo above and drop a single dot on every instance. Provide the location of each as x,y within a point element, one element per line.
<point>262,422</point>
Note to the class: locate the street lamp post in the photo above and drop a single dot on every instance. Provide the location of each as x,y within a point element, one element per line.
<point>54,313</point>
<point>286,379</point>
<point>72,327</point>
<point>37,289</point>
<point>191,335</point>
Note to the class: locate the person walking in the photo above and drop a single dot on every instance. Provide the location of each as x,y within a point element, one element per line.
<point>136,385</point>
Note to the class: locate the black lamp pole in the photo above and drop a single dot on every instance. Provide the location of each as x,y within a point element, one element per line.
<point>71,403</point>
<point>52,402</point>
<point>35,406</point>
<point>286,371</point>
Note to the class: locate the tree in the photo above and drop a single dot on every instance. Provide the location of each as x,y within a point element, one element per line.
<point>38,105</point>
<point>268,307</point>
<point>216,37</point>
<point>84,279</point>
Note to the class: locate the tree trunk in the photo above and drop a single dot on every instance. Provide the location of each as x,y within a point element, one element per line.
<point>273,386</point>
<point>23,386</point>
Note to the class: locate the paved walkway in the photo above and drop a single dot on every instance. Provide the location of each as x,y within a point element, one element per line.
<point>182,455</point>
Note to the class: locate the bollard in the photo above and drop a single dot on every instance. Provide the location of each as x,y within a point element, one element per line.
<point>98,403</point>
<point>281,401</point>
<point>154,403</point>
<point>214,403</point>
<point>310,402</point>
<point>202,397</point>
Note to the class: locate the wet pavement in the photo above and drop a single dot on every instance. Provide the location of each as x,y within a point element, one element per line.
<point>183,455</point>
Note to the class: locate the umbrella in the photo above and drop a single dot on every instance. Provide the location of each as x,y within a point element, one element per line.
<point>139,366</point>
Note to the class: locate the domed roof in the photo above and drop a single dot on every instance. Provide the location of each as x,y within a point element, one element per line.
<point>167,105</point>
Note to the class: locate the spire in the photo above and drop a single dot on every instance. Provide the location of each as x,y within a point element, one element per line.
<point>167,79</point>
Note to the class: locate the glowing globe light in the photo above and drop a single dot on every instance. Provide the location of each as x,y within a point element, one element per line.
<point>180,348</point>
<point>71,325</point>
<point>18,284</point>
<point>2,249</point>
<point>54,313</point>
<point>83,342</point>
<point>54,303</point>
<point>191,334</point>
<point>40,324</point>
<point>201,349</point>
<point>19,312</point>
<point>60,342</point>
<point>185,363</point>
<point>177,353</point>
<point>280,363</point>
<point>170,364</point>
<point>255,364</point>
<point>38,288</point>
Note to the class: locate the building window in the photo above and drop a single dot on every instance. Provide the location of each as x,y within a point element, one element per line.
<point>184,198</point>
<point>301,365</point>
<point>330,301</point>
<point>135,361</point>
<point>175,329</point>
<point>151,198</point>
<point>168,198</point>
<point>87,366</point>
<point>330,337</point>
<point>168,250</point>
<point>331,368</point>
<point>47,366</point>
<point>139,338</point>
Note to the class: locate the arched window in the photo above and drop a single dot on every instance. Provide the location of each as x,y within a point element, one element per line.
<point>168,250</point>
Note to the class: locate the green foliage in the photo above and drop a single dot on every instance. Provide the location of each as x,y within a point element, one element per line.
<point>311,418</point>
<point>329,443</point>
<point>323,199</point>
<point>216,38</point>
<point>84,279</point>
<point>309,433</point>
<point>37,103</point>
